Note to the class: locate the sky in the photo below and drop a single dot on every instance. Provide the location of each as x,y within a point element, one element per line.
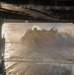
<point>14,31</point>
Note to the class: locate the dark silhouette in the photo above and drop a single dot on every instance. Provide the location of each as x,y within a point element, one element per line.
<point>2,51</point>
<point>2,68</point>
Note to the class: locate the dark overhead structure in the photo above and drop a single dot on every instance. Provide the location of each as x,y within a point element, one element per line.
<point>38,10</point>
<point>42,2</point>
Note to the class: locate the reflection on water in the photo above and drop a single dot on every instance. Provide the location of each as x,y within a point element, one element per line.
<point>32,63</point>
<point>22,60</point>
